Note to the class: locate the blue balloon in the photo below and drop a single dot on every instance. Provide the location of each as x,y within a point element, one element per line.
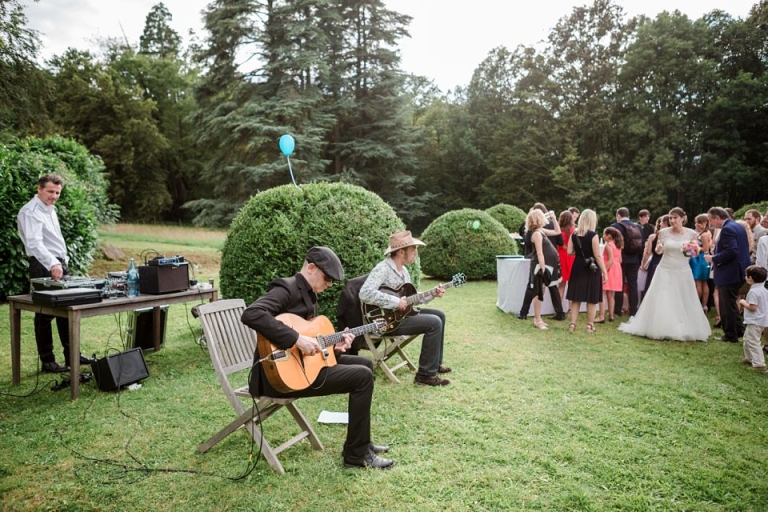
<point>287,144</point>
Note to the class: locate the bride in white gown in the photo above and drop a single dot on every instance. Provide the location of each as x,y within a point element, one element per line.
<point>671,307</point>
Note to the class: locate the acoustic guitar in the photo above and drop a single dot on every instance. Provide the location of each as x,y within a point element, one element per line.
<point>393,317</point>
<point>291,370</point>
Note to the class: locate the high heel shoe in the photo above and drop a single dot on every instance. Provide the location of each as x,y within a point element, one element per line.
<point>591,329</point>
<point>601,321</point>
<point>540,325</point>
<point>571,327</point>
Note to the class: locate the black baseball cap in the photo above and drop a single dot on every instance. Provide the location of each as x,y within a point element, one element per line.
<point>327,261</point>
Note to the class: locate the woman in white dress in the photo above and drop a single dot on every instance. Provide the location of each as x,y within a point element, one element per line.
<point>671,307</point>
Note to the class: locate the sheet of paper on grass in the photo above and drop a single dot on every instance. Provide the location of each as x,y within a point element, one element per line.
<point>333,417</point>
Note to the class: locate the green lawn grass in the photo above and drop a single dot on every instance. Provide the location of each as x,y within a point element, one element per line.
<point>533,420</point>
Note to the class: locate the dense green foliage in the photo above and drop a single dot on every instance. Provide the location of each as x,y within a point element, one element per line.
<point>611,111</point>
<point>271,234</point>
<point>762,207</point>
<point>465,241</point>
<point>509,215</point>
<point>81,207</point>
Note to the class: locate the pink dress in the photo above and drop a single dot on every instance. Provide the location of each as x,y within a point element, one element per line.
<point>615,279</point>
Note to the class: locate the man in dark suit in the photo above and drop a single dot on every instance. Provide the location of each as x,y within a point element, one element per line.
<point>351,374</point>
<point>630,264</point>
<point>730,261</point>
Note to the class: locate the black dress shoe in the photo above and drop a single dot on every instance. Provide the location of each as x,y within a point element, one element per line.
<point>54,367</point>
<point>432,380</point>
<point>444,369</point>
<point>521,316</point>
<point>560,316</point>
<point>371,460</point>
<point>379,448</point>
<point>729,340</point>
<point>86,359</point>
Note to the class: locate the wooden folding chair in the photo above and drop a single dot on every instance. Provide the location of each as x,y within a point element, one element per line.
<point>382,347</point>
<point>232,345</point>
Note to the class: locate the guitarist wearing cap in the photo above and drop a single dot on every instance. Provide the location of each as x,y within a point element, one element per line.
<point>297,295</point>
<point>391,273</point>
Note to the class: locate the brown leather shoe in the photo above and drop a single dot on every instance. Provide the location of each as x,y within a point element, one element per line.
<point>432,380</point>
<point>444,369</point>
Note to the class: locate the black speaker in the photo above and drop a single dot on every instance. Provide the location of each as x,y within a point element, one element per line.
<point>119,370</point>
<point>141,328</point>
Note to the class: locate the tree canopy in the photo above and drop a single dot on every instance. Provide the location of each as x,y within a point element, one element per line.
<point>609,111</point>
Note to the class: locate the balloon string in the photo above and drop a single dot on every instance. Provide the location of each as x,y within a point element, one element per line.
<point>291,169</point>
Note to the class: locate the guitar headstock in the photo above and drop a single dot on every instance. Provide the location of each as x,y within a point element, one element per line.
<point>458,279</point>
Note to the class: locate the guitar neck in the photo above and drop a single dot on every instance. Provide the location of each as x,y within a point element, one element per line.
<point>421,297</point>
<point>332,339</point>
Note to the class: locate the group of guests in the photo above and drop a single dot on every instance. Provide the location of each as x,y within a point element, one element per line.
<point>676,263</point>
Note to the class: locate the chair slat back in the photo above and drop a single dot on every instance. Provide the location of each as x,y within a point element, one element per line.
<point>231,343</point>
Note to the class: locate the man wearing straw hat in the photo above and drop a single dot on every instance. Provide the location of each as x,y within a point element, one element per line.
<point>392,273</point>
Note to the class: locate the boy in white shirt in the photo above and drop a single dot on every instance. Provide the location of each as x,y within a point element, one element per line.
<point>755,317</point>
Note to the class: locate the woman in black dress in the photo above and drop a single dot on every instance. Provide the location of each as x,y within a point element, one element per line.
<point>545,262</point>
<point>585,285</point>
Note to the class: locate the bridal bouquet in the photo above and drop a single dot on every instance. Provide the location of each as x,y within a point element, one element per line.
<point>690,249</point>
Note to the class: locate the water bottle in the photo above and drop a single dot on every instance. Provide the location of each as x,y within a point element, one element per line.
<point>133,280</point>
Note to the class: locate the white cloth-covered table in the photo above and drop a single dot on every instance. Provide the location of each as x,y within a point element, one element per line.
<point>512,278</point>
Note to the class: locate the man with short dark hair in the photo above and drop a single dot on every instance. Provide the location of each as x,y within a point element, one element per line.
<point>44,245</point>
<point>644,219</point>
<point>351,374</point>
<point>753,218</point>
<point>630,263</point>
<point>730,261</point>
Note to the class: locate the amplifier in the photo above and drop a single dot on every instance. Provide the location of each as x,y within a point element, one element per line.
<point>119,370</point>
<point>159,279</point>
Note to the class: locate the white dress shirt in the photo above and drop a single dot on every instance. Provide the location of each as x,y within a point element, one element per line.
<point>39,230</point>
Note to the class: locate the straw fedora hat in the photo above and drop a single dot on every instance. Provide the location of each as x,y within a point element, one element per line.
<point>401,240</point>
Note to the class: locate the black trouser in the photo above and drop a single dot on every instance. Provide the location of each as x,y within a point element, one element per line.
<point>353,375</point>
<point>733,327</point>
<point>530,293</point>
<point>629,270</point>
<point>43,327</point>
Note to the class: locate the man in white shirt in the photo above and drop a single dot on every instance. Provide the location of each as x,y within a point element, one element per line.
<point>44,245</point>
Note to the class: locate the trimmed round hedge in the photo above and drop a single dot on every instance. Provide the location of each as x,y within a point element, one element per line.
<point>466,241</point>
<point>511,216</point>
<point>761,206</point>
<point>271,234</point>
